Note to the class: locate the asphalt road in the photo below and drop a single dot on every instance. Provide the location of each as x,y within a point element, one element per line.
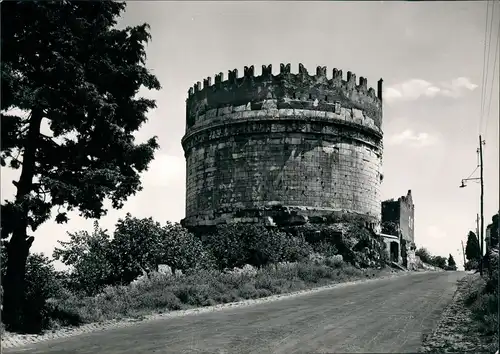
<point>383,316</point>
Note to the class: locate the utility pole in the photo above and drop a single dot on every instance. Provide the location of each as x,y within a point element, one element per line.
<point>481,143</point>
<point>481,178</point>
<point>478,235</point>
<point>463,252</point>
<point>477,227</point>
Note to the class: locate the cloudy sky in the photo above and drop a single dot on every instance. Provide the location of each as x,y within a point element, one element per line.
<point>430,55</point>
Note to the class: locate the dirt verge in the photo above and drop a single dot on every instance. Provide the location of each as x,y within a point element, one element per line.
<point>456,331</point>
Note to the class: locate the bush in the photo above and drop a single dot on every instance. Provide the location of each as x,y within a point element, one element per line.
<point>42,283</point>
<point>471,265</point>
<point>139,246</point>
<point>90,259</point>
<point>335,261</point>
<point>473,290</point>
<point>181,250</point>
<point>485,311</point>
<point>357,244</point>
<point>240,244</point>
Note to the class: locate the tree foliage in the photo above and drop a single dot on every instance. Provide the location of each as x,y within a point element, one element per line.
<point>43,282</point>
<point>424,255</point>
<point>141,245</point>
<point>82,79</point>
<point>493,236</point>
<point>472,248</point>
<point>451,261</point>
<point>181,250</point>
<point>75,78</point>
<point>390,228</point>
<point>90,259</point>
<point>438,261</point>
<point>240,244</point>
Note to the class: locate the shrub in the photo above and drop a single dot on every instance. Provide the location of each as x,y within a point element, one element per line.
<point>471,265</point>
<point>181,250</point>
<point>240,244</point>
<point>485,311</point>
<point>472,290</point>
<point>357,244</point>
<point>492,265</point>
<point>424,255</point>
<point>89,257</point>
<point>335,261</point>
<point>42,282</point>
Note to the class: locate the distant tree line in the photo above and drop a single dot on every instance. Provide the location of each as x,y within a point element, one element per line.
<point>436,261</point>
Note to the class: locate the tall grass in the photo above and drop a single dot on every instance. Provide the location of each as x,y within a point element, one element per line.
<point>162,293</point>
<point>481,296</point>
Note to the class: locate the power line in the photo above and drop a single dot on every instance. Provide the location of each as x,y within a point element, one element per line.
<point>473,172</point>
<point>493,78</point>
<point>484,64</point>
<point>488,50</point>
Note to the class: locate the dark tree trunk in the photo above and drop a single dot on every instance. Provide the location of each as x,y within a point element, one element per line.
<point>18,250</point>
<point>20,243</point>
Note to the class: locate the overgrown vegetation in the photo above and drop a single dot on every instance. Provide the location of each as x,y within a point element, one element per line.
<point>470,323</point>
<point>123,274</point>
<point>436,261</point>
<point>482,300</point>
<point>485,307</point>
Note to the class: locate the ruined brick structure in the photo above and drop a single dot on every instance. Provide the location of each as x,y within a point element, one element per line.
<point>401,214</point>
<point>283,149</point>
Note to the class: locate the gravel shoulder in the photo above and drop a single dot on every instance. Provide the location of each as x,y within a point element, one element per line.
<point>455,331</point>
<point>389,314</point>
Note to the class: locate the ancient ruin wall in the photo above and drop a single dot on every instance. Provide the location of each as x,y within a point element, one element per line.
<point>285,149</point>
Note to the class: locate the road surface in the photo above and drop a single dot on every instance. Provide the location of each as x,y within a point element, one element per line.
<point>384,316</point>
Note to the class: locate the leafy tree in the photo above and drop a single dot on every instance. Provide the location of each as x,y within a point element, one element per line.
<point>471,265</point>
<point>228,244</point>
<point>181,250</point>
<point>137,244</point>
<point>240,244</point>
<point>451,261</point>
<point>424,255</point>
<point>42,282</point>
<point>90,259</point>
<point>493,237</point>
<point>472,248</point>
<point>67,68</point>
<point>141,245</point>
<point>438,261</point>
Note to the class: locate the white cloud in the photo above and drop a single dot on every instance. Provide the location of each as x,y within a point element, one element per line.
<point>416,88</point>
<point>434,232</point>
<point>409,137</point>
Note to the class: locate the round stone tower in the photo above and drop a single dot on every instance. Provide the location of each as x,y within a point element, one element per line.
<point>283,149</point>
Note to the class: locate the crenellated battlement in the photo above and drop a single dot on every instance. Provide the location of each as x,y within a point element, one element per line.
<point>283,149</point>
<point>299,90</point>
<point>285,73</point>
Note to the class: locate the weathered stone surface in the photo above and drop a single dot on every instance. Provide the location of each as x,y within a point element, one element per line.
<point>401,212</point>
<point>292,148</point>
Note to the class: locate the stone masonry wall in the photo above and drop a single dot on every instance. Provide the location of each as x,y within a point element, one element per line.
<point>407,217</point>
<point>402,213</point>
<point>260,148</point>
